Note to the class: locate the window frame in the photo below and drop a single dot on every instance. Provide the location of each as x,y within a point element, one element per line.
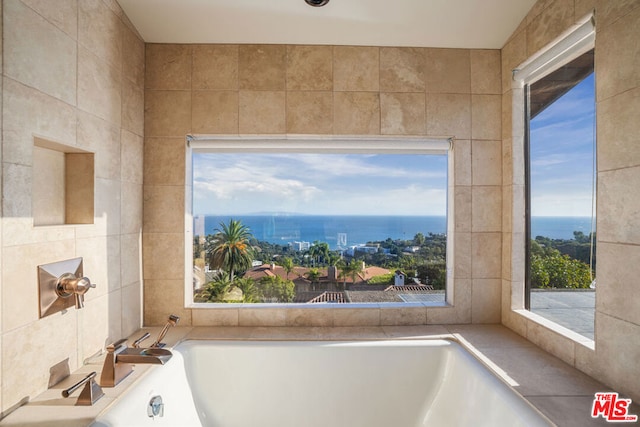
<point>316,144</point>
<point>576,41</point>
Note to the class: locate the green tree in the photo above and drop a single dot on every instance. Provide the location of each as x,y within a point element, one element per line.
<point>275,287</point>
<point>313,275</point>
<point>556,270</point>
<point>419,239</point>
<point>319,251</point>
<point>287,264</point>
<point>231,251</point>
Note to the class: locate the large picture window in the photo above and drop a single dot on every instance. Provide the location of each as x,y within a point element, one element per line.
<point>316,222</point>
<point>561,151</point>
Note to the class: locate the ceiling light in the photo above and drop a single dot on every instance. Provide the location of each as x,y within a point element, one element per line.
<point>316,3</point>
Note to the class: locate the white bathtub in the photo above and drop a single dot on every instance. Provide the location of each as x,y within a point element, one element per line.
<point>318,384</point>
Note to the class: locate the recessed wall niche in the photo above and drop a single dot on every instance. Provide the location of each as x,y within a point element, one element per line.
<point>63,184</point>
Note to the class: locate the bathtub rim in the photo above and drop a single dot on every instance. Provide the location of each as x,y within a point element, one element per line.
<point>468,349</point>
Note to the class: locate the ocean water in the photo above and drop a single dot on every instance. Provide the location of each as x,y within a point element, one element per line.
<point>345,231</point>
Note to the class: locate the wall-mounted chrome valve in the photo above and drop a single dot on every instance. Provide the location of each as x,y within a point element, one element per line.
<point>70,285</point>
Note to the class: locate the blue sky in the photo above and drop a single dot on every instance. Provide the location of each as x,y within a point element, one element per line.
<point>322,184</point>
<point>562,142</point>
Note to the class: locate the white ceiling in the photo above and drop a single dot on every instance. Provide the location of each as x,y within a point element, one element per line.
<point>422,23</point>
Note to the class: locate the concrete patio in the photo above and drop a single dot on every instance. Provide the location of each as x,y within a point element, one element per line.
<point>574,309</point>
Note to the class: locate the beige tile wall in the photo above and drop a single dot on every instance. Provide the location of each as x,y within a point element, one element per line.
<point>74,74</point>
<point>278,89</point>
<point>617,334</point>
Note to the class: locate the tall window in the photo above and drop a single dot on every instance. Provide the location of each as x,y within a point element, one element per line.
<point>561,154</point>
<point>293,226</point>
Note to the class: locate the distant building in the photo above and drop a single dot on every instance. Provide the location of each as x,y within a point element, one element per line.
<point>198,226</point>
<point>399,278</point>
<point>300,246</point>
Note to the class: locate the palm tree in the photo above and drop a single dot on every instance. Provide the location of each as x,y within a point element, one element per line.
<point>287,264</point>
<point>313,275</point>
<point>231,250</point>
<point>318,251</point>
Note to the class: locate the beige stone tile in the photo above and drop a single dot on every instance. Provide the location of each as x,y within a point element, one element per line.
<point>486,301</point>
<point>568,411</point>
<point>356,113</point>
<point>132,107</point>
<point>310,112</point>
<point>507,209</point>
<point>540,374</point>
<point>262,67</point>
<point>28,112</point>
<point>131,208</point>
<point>507,115</point>
<point>552,21</point>
<point>133,57</point>
<point>617,206</point>
<point>106,212</point>
<point>489,336</point>
<point>610,12</point>
<point>48,194</point>
<point>552,341</point>
<point>38,54</point>
<point>259,316</point>
<point>100,31</point>
<point>33,351</point>
<point>448,70</point>
<point>102,138</point>
<point>19,265</point>
<point>131,319</point>
<point>616,295</point>
<point>309,68</point>
<point>486,206</point>
<point>617,344</point>
<point>462,162</point>
<point>214,112</point>
<point>99,87</point>
<point>618,56</point>
<point>507,162</point>
<point>618,130</point>
<point>513,54</point>
<point>63,14</point>
<point>167,66</point>
<point>417,332</point>
<point>262,112</point>
<point>157,249</point>
<point>462,208</point>
<point>101,263</point>
<point>486,117</point>
<point>486,255</point>
<point>402,69</point>
<point>167,113</point>
<point>308,316</point>
<point>215,67</point>
<point>352,316</point>
<point>486,66</point>
<point>397,316</point>
<point>584,7</point>
<point>356,68</point>
<point>130,259</point>
<point>164,160</point>
<point>460,312</point>
<point>164,208</point>
<point>99,324</point>
<point>20,230</point>
<point>402,113</point>
<point>449,115</point>
<point>462,255</point>
<point>16,191</point>
<point>486,162</point>
<point>131,155</point>
<point>215,317</point>
<point>161,298</point>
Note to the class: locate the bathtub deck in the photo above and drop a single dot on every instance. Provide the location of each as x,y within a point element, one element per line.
<point>561,392</point>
